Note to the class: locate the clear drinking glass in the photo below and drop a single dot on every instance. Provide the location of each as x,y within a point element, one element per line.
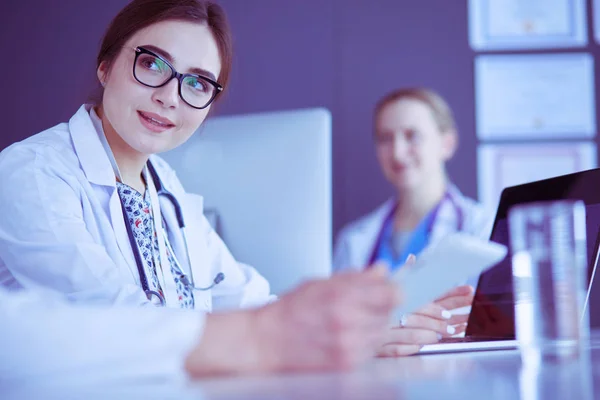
<point>548,246</point>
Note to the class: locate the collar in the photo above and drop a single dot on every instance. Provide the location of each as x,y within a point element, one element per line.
<point>85,128</point>
<point>88,146</point>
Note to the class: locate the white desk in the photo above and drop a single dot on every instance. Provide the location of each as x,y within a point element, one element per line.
<point>482,375</point>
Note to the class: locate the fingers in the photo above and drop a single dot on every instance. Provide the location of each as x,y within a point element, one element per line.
<point>358,302</point>
<point>450,303</point>
<point>379,299</point>
<point>374,295</point>
<point>372,288</point>
<point>436,311</point>
<point>464,290</point>
<point>399,275</point>
<point>458,319</point>
<point>417,321</point>
<point>410,336</point>
<point>460,328</point>
<point>436,318</point>
<point>379,269</point>
<point>398,350</point>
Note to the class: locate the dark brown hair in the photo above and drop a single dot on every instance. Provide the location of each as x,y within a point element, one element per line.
<point>442,114</point>
<point>140,14</point>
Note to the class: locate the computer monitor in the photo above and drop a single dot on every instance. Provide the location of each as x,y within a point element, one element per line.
<point>266,182</point>
<point>492,312</point>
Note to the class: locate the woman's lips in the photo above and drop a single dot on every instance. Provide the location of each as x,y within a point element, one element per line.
<point>155,122</point>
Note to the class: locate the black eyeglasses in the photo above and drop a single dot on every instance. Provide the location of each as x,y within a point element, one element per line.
<point>152,70</point>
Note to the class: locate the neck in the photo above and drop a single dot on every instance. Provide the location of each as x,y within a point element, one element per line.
<point>415,203</point>
<point>130,162</point>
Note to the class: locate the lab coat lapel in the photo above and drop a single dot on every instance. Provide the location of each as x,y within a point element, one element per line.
<point>90,152</point>
<point>368,233</point>
<point>447,218</point>
<point>99,172</point>
<point>118,223</point>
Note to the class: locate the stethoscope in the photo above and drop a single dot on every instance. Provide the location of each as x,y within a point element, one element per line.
<point>188,281</point>
<point>448,196</point>
<point>156,185</point>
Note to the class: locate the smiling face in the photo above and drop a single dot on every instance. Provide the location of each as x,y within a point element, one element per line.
<point>145,120</point>
<point>411,147</point>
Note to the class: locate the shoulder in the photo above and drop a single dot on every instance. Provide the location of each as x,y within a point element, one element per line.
<point>374,217</point>
<point>477,218</point>
<point>52,140</point>
<point>49,150</point>
<point>355,240</point>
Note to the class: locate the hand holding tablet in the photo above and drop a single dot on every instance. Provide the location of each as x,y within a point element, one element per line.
<point>443,266</point>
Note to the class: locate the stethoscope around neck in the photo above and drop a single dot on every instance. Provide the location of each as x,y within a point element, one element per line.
<point>448,196</point>
<point>187,280</point>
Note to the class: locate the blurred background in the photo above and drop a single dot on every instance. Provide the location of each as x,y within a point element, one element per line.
<point>339,54</point>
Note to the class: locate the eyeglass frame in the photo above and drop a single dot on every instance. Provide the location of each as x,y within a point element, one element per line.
<point>175,74</point>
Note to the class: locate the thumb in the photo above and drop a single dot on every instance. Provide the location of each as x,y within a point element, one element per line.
<point>408,264</point>
<point>379,269</point>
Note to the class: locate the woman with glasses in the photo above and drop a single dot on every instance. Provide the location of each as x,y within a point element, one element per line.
<point>93,213</point>
<point>415,135</point>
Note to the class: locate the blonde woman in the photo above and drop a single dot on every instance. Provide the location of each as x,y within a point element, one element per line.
<point>415,135</point>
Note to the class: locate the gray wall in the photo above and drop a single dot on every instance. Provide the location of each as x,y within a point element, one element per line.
<point>340,54</point>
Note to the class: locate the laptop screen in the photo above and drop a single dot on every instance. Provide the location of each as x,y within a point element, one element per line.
<point>492,313</point>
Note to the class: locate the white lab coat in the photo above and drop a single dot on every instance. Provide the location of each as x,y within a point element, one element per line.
<point>62,227</point>
<point>45,339</point>
<point>356,241</point>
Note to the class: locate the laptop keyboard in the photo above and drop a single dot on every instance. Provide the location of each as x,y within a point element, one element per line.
<point>469,339</point>
<point>465,339</point>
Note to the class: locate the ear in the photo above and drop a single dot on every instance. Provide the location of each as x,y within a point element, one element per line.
<point>102,72</point>
<point>449,144</point>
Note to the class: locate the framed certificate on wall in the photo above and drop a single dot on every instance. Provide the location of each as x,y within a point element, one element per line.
<point>535,96</point>
<point>504,165</point>
<point>527,24</point>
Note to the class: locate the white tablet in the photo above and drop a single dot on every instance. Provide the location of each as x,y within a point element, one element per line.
<point>443,266</point>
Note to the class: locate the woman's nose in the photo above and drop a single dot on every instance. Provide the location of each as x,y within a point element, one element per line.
<point>168,95</point>
<point>400,147</point>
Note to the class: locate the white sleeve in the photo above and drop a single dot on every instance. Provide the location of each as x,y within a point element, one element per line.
<point>45,242</point>
<point>48,340</point>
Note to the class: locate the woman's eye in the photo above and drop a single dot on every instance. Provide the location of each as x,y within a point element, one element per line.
<point>197,84</point>
<point>154,64</point>
<point>412,135</point>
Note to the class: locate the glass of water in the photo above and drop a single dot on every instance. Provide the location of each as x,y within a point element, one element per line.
<point>548,246</point>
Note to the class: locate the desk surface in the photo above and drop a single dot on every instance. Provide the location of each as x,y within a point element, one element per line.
<point>478,375</point>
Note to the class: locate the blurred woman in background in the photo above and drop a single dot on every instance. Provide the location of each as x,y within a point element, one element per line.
<point>415,135</point>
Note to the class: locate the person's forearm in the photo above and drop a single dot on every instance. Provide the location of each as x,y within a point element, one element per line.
<point>232,343</point>
<point>46,339</point>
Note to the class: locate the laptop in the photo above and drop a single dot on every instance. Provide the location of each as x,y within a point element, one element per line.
<point>491,323</point>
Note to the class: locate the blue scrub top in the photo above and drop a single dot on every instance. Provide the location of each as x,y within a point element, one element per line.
<point>419,238</point>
